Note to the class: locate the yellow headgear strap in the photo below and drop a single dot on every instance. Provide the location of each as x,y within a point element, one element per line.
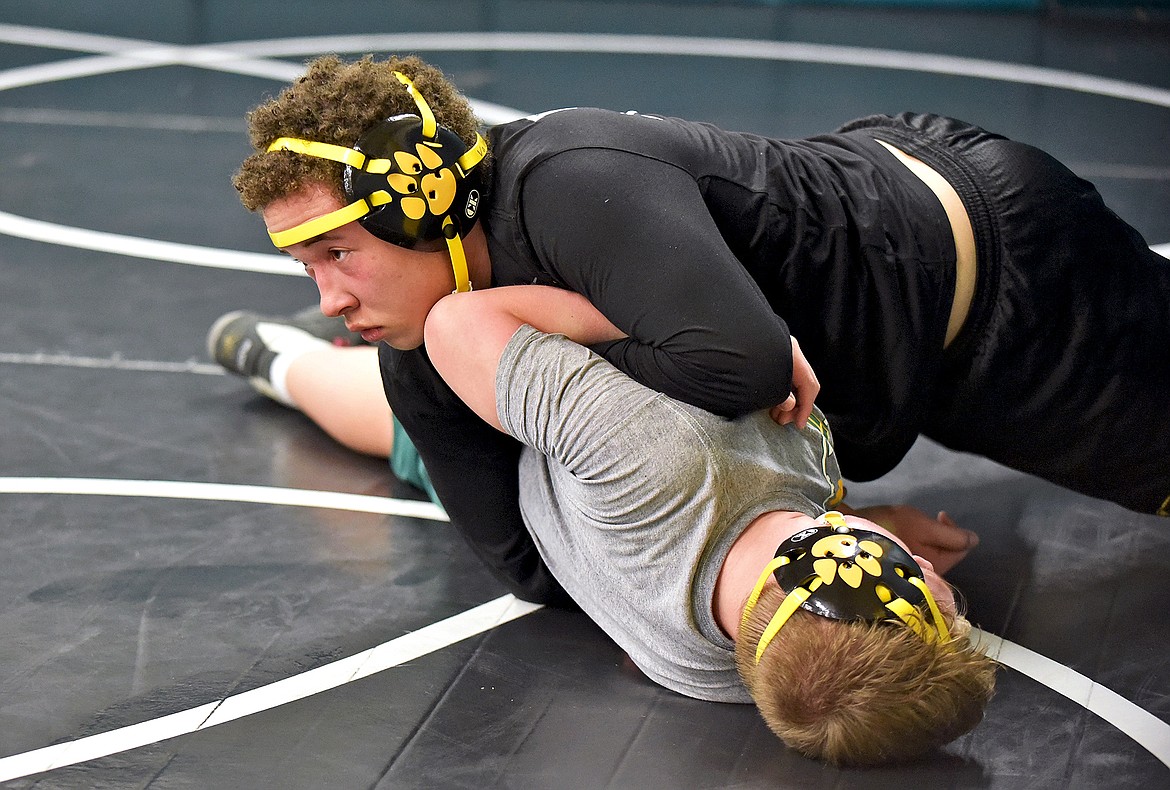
<point>319,225</point>
<point>458,259</point>
<point>424,109</point>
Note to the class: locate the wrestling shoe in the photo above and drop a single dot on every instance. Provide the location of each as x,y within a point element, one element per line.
<point>247,344</point>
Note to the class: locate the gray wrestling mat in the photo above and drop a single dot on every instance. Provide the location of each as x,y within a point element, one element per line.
<point>198,589</point>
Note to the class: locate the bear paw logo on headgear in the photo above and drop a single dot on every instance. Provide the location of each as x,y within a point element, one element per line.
<point>427,167</point>
<point>423,174</point>
<point>428,183</point>
<point>848,574</point>
<point>846,557</point>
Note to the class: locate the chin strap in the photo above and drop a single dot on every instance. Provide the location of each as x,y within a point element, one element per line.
<point>458,259</point>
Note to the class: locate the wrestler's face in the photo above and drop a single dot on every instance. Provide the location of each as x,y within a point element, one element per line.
<point>383,291</point>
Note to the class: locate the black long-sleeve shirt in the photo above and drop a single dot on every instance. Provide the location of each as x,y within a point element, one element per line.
<point>707,248</point>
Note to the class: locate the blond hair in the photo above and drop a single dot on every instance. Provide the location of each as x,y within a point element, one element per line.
<point>862,694</point>
<point>337,102</point>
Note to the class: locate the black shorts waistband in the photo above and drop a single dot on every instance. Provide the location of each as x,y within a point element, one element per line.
<point>953,149</point>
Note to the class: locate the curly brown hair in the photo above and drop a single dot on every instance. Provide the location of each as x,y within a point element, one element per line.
<point>336,102</point>
<point>862,694</point>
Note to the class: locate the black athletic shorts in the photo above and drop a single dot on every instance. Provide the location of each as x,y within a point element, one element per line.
<point>1062,369</point>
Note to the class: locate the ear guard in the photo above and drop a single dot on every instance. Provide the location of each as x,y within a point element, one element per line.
<point>408,181</point>
<point>843,573</point>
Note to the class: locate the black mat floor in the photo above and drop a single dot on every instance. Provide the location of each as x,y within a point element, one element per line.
<point>208,614</point>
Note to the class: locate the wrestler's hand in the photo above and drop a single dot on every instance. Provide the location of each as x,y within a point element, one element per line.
<point>799,404</point>
<point>938,539</point>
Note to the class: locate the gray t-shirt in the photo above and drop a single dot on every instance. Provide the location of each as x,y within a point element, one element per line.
<point>634,499</point>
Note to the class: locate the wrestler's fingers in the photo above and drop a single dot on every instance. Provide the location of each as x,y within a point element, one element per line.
<point>953,537</point>
<point>784,413</point>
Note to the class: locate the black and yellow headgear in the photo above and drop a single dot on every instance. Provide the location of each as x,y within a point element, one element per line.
<point>408,181</point>
<point>842,573</point>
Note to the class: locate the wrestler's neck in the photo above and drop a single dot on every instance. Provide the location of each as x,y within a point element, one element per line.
<point>750,553</point>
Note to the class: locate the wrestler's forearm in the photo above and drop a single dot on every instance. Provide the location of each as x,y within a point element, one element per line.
<point>551,310</point>
<point>466,333</point>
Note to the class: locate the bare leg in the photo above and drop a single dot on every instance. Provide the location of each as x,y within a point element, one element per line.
<point>340,389</point>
